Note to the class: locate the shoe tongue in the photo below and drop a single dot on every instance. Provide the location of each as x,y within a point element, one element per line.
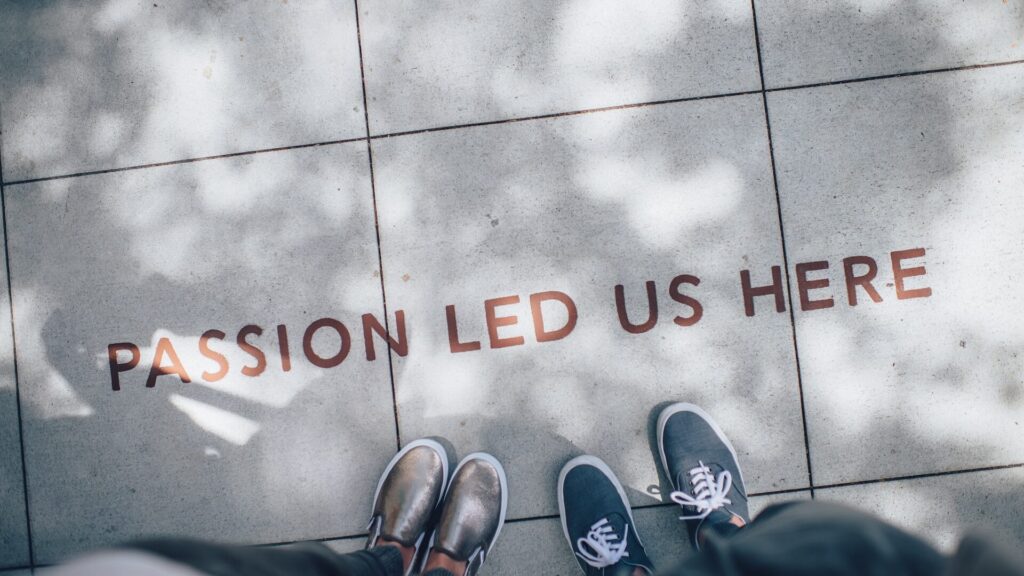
<point>616,521</point>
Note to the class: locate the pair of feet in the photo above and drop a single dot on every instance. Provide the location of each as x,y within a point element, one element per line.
<point>701,465</point>
<point>437,522</point>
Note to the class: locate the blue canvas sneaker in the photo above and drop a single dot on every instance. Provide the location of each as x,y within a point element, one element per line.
<point>597,520</point>
<point>702,466</point>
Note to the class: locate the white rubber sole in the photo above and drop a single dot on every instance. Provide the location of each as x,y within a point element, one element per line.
<point>676,408</point>
<point>588,460</point>
<point>405,450</point>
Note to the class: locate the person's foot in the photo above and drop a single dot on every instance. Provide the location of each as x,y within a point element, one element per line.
<point>471,517</point>
<point>597,520</point>
<point>705,474</point>
<point>407,496</point>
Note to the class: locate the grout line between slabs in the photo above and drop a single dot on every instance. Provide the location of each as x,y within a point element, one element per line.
<point>752,495</point>
<point>564,114</point>
<point>376,227</point>
<point>895,75</point>
<point>185,161</point>
<point>521,119</point>
<point>919,476</point>
<point>14,360</point>
<point>659,504</point>
<point>785,255</point>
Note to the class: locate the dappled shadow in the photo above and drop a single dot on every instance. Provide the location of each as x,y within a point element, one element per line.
<point>573,201</point>
<point>863,38</point>
<point>171,252</point>
<point>128,82</point>
<point>576,204</point>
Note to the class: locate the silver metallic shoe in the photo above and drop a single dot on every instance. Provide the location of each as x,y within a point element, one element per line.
<point>473,512</point>
<point>408,494</point>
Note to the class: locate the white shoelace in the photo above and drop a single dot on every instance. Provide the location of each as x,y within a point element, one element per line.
<point>599,548</point>
<point>709,492</point>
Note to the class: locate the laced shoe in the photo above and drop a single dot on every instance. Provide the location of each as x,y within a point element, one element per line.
<point>473,512</point>
<point>702,466</point>
<point>597,520</point>
<point>408,495</point>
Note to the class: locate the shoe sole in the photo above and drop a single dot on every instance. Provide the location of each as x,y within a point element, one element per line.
<point>676,408</point>
<point>588,460</point>
<point>502,481</point>
<point>405,450</point>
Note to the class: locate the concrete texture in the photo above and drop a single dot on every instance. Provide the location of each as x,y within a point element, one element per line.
<point>539,546</point>
<point>13,530</point>
<point>922,384</point>
<point>580,205</point>
<point>577,203</point>
<point>88,87</point>
<point>942,508</point>
<point>346,545</point>
<point>808,41</point>
<point>170,253</point>
<point>445,63</point>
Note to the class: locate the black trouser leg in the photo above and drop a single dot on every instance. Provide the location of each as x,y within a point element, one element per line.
<point>309,558</point>
<point>814,539</point>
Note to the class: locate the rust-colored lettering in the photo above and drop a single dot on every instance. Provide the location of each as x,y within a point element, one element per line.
<point>900,273</point>
<point>307,343</point>
<point>204,349</point>
<point>371,325</point>
<point>652,309</point>
<point>117,367</point>
<point>165,348</point>
<point>852,280</point>
<point>538,316</point>
<point>282,346</point>
<point>804,285</point>
<point>675,294</point>
<point>453,333</point>
<point>261,358</point>
<point>774,288</point>
<point>494,322</point>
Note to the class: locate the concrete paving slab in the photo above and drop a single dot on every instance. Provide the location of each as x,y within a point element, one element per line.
<point>923,171</point>
<point>128,82</point>
<point>579,205</point>
<point>262,445</point>
<point>444,63</point>
<point>13,525</point>
<point>805,41</point>
<point>539,546</point>
<point>941,509</point>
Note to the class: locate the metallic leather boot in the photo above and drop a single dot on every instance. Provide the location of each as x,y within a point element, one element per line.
<point>408,494</point>
<point>473,512</point>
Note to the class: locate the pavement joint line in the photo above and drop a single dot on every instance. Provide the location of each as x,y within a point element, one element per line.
<point>920,476</point>
<point>551,115</point>
<point>14,361</point>
<point>185,161</point>
<point>751,495</point>
<point>928,71</point>
<point>376,229</point>
<point>656,505</point>
<point>521,119</point>
<point>785,255</point>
